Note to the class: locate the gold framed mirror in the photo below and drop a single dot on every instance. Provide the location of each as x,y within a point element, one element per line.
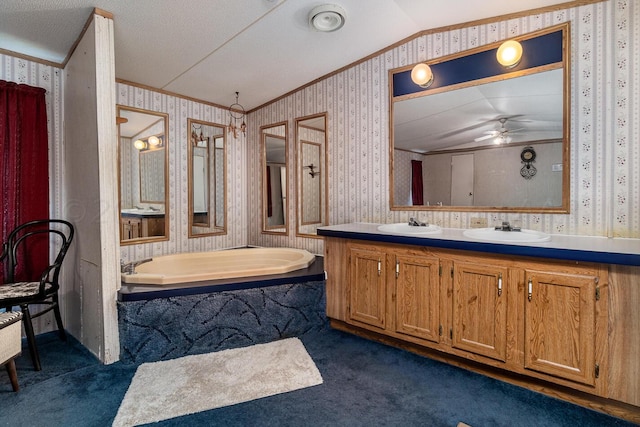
<point>206,162</point>
<point>143,175</point>
<point>312,174</point>
<point>274,169</point>
<point>456,144</point>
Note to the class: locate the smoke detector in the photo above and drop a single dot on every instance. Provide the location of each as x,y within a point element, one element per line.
<point>327,18</point>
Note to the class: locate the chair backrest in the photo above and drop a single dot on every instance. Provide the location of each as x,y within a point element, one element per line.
<point>18,241</point>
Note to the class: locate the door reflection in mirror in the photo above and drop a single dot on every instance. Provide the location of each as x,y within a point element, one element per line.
<point>274,178</point>
<point>206,163</point>
<point>312,176</point>
<point>311,183</point>
<point>143,175</point>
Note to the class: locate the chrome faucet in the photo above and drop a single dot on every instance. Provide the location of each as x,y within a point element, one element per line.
<point>507,227</point>
<point>414,223</point>
<point>130,267</point>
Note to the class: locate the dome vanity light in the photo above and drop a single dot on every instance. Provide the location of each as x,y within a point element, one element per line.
<point>140,144</point>
<point>327,18</point>
<point>154,141</point>
<point>422,75</point>
<point>509,53</point>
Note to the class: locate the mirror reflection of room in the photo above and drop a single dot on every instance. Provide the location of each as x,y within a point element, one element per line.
<point>311,148</point>
<point>143,175</point>
<point>207,199</point>
<point>311,183</point>
<point>459,143</point>
<point>275,202</point>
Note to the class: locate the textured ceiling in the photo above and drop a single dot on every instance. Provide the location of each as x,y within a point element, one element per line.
<point>209,49</point>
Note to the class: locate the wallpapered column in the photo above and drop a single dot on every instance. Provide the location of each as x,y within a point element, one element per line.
<point>605,127</point>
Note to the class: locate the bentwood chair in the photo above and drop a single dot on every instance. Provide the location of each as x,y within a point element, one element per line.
<point>43,292</point>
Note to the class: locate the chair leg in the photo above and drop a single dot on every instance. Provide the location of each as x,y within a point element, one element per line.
<point>31,338</point>
<point>13,374</point>
<point>56,312</point>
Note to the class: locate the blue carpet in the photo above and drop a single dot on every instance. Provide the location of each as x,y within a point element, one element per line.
<point>365,384</point>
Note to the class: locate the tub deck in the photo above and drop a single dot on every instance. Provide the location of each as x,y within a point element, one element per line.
<point>141,292</point>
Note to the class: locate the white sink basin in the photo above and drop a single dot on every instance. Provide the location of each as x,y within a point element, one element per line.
<point>493,235</point>
<point>404,228</point>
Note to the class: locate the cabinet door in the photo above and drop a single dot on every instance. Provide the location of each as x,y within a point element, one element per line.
<point>155,227</point>
<point>367,286</point>
<point>417,296</point>
<point>130,228</point>
<point>560,325</point>
<point>480,309</point>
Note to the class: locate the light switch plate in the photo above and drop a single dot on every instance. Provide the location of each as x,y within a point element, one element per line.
<point>478,222</point>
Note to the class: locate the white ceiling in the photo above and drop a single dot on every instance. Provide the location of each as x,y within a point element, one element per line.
<point>209,49</point>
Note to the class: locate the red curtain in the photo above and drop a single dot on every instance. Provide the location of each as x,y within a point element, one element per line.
<point>417,189</point>
<point>24,169</point>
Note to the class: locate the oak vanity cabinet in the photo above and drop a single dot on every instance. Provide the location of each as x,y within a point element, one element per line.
<point>135,226</point>
<point>394,290</point>
<point>367,290</point>
<point>417,296</point>
<point>560,324</point>
<point>153,226</point>
<point>480,295</point>
<point>559,327</point>
<point>130,227</point>
<point>542,318</point>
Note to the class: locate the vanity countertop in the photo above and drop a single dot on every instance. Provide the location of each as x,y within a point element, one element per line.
<point>141,213</point>
<point>561,246</point>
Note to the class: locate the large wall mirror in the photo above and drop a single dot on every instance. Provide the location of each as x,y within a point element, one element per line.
<point>207,178</point>
<point>483,137</point>
<point>312,178</point>
<point>144,195</point>
<point>275,203</point>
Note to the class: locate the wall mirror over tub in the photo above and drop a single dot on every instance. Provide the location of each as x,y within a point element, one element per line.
<point>207,178</point>
<point>469,133</point>
<point>275,203</point>
<point>144,197</point>
<point>312,178</point>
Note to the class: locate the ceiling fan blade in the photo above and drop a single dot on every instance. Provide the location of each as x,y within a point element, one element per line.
<point>512,130</point>
<point>482,138</point>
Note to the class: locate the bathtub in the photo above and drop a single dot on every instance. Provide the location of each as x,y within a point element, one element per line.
<point>189,304</point>
<point>197,267</point>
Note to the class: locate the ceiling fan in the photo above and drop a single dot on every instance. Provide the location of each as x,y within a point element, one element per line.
<point>501,135</point>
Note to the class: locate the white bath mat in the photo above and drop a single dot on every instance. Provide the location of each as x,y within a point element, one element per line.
<point>169,389</point>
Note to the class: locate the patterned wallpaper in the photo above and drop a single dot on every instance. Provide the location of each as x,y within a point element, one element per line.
<point>51,79</point>
<point>605,127</point>
<point>605,151</point>
<point>179,110</point>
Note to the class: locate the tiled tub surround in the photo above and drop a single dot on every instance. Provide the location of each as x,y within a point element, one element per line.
<point>169,327</point>
<point>159,322</point>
